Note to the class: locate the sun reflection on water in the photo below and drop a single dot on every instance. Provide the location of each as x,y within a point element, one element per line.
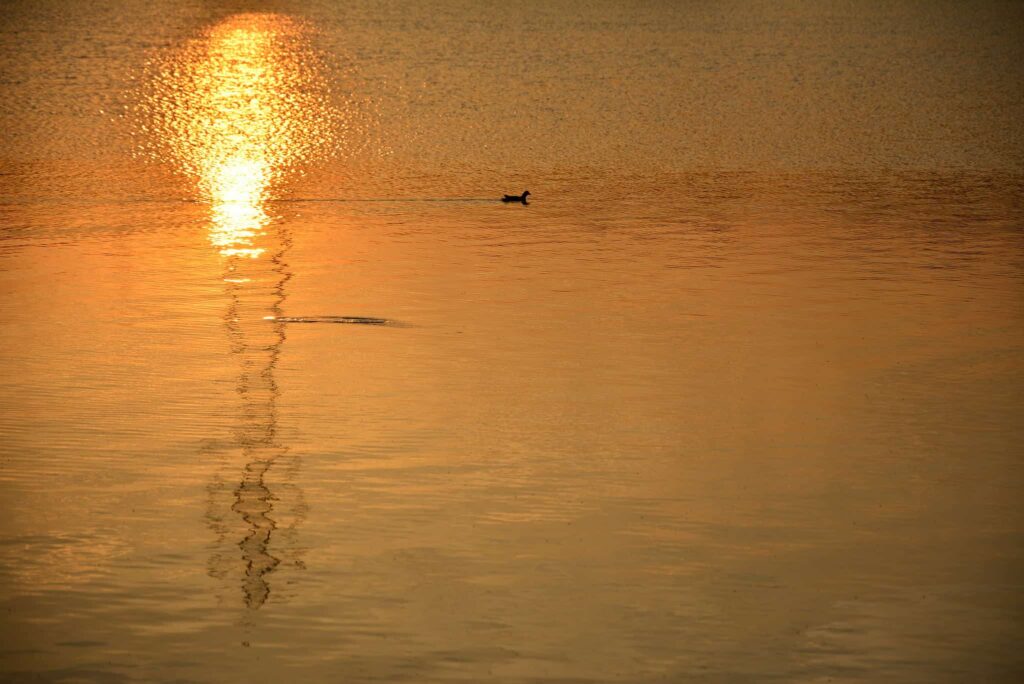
<point>237,188</point>
<point>240,109</point>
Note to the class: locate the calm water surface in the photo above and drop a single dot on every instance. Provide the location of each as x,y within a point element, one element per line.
<point>737,397</point>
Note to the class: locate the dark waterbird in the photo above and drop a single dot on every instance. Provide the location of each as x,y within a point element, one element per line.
<point>516,198</point>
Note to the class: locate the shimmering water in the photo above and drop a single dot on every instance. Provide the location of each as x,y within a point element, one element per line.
<point>290,396</point>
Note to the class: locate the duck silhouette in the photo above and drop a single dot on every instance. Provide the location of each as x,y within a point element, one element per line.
<point>516,198</point>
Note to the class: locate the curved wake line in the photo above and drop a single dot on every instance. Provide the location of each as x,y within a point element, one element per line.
<point>100,201</point>
<point>384,199</point>
<point>349,320</point>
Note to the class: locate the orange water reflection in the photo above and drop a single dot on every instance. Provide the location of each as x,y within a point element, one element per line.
<point>241,109</point>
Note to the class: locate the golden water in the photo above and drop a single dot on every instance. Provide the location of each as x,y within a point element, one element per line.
<point>736,397</point>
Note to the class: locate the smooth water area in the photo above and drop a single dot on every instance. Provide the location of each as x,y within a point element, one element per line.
<point>289,395</point>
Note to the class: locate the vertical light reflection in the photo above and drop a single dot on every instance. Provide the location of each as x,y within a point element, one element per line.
<point>237,188</point>
<point>241,110</point>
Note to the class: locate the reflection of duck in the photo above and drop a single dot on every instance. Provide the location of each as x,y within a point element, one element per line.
<point>516,198</point>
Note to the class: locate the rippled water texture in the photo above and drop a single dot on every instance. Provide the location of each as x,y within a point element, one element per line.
<point>239,109</point>
<point>289,395</point>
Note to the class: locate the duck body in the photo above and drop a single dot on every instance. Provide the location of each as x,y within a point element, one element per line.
<point>516,198</point>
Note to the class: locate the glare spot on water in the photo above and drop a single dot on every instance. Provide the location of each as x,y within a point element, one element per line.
<point>241,109</point>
